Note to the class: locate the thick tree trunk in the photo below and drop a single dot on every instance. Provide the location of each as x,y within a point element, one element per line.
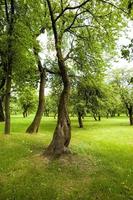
<point>62,133</point>
<point>2,117</point>
<point>80,120</point>
<point>33,128</point>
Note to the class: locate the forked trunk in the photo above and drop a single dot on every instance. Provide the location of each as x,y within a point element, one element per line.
<point>80,120</point>
<point>2,117</point>
<point>33,128</point>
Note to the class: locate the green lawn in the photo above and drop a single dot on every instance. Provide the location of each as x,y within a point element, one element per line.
<point>100,168</point>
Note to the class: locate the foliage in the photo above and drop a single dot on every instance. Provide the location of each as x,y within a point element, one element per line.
<point>28,99</point>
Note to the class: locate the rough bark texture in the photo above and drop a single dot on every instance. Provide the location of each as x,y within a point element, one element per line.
<point>2,117</point>
<point>62,133</point>
<point>80,119</point>
<point>33,128</point>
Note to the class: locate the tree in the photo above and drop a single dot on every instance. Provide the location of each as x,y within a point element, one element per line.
<point>76,19</point>
<point>34,126</point>
<point>123,80</point>
<point>21,23</point>
<point>27,99</point>
<point>10,13</point>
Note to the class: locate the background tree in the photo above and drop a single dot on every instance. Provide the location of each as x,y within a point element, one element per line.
<point>28,100</point>
<point>123,80</point>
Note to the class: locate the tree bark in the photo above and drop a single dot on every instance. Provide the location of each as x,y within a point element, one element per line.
<point>80,119</point>
<point>10,21</point>
<point>62,133</point>
<point>33,128</point>
<point>2,117</point>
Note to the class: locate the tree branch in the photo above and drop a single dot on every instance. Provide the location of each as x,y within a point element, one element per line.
<point>74,19</point>
<point>71,8</point>
<point>6,10</point>
<point>53,21</point>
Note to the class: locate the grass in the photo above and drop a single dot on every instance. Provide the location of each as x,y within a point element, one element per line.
<point>100,168</point>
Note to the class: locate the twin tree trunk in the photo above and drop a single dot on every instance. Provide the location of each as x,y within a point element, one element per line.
<point>62,133</point>
<point>33,128</point>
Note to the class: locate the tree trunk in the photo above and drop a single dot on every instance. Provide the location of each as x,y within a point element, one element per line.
<point>99,118</point>
<point>130,111</point>
<point>7,100</point>
<point>33,128</point>
<point>10,20</point>
<point>25,113</point>
<point>80,120</point>
<point>2,117</point>
<point>94,116</point>
<point>62,133</point>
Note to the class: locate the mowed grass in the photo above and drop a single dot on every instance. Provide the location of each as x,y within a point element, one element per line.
<point>100,167</point>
